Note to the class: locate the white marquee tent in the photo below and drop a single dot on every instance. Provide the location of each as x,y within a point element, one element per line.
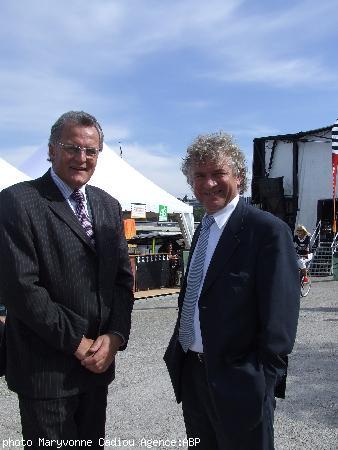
<point>121,180</point>
<point>10,175</point>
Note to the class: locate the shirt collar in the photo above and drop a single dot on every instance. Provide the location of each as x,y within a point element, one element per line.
<point>222,216</point>
<point>64,188</point>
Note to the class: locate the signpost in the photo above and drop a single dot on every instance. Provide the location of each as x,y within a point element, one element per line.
<point>163,213</point>
<point>138,211</point>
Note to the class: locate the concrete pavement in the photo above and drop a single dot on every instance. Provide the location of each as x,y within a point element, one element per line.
<point>141,405</point>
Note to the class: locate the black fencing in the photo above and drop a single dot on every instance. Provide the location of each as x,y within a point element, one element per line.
<point>152,272</point>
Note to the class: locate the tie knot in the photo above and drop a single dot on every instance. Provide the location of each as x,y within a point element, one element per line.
<point>78,196</point>
<point>207,221</point>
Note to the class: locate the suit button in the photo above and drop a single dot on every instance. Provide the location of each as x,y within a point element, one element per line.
<point>204,307</point>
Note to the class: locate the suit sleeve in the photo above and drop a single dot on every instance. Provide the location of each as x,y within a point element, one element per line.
<point>120,319</point>
<point>278,295</point>
<point>20,288</point>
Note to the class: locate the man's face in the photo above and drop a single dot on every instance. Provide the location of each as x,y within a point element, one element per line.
<point>75,170</point>
<point>214,184</point>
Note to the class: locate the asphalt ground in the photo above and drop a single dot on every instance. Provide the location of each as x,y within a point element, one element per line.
<point>141,404</point>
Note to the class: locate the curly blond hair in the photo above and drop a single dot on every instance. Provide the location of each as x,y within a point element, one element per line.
<point>219,148</point>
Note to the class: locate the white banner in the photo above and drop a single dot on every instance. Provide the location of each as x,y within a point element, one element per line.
<point>138,211</point>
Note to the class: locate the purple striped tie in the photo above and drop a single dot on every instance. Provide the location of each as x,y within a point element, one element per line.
<point>81,213</point>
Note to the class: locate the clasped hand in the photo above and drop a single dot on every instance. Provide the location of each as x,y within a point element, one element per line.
<point>98,355</point>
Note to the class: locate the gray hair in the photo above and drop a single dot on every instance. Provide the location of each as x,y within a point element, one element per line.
<point>78,118</point>
<point>216,147</point>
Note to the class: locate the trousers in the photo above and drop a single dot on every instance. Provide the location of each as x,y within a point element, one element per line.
<point>202,423</point>
<point>64,420</point>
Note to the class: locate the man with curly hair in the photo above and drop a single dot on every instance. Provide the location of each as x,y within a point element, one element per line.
<point>238,308</point>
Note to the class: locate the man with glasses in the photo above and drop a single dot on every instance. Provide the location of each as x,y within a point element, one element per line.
<point>67,284</point>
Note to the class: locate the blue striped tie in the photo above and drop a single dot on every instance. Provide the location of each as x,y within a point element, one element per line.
<point>195,274</point>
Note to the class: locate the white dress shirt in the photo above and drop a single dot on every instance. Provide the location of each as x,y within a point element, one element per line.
<point>221,218</point>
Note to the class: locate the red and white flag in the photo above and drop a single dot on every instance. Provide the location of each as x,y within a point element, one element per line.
<point>334,155</point>
<point>334,168</point>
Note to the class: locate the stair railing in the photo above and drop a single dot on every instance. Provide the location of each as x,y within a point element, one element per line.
<point>334,248</point>
<point>186,224</point>
<point>334,244</point>
<point>315,237</point>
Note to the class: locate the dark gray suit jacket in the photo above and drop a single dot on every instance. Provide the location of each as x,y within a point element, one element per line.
<point>248,312</point>
<point>58,287</point>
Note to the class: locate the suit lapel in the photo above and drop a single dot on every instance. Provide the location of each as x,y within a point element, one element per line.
<point>225,248</point>
<point>61,208</point>
<point>104,223</point>
<point>97,215</point>
<point>226,245</point>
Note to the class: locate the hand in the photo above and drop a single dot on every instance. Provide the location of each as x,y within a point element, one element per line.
<point>102,353</point>
<point>83,348</point>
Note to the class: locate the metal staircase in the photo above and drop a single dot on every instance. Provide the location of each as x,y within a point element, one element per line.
<point>321,264</point>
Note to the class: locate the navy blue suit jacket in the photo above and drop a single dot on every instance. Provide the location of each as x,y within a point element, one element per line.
<point>248,311</point>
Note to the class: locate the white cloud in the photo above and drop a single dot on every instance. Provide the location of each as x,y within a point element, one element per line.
<point>105,37</point>
<point>114,132</point>
<point>277,47</point>
<point>110,31</point>
<point>31,101</point>
<point>34,99</point>
<point>18,155</point>
<point>56,54</point>
<point>253,130</point>
<point>278,72</point>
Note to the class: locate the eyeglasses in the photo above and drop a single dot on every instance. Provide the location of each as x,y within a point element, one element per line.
<point>75,150</point>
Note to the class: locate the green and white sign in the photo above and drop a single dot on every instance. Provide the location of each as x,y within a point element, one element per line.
<point>163,213</point>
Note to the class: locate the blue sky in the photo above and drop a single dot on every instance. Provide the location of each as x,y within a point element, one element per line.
<point>158,72</point>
